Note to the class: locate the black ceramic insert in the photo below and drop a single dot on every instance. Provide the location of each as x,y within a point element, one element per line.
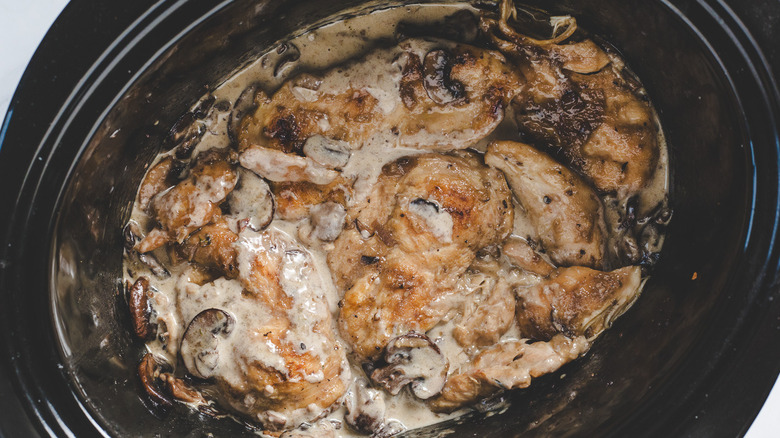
<point>695,356</point>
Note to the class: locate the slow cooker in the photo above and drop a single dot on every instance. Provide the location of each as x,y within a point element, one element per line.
<point>696,356</point>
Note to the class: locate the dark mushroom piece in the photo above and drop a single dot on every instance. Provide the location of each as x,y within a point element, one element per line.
<point>253,200</point>
<point>288,54</point>
<point>132,236</point>
<point>199,345</point>
<point>245,104</point>
<point>185,135</point>
<point>413,359</point>
<point>140,312</point>
<point>185,393</point>
<point>439,85</point>
<point>188,131</point>
<point>149,371</point>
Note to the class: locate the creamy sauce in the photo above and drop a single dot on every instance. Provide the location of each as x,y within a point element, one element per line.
<point>304,272</point>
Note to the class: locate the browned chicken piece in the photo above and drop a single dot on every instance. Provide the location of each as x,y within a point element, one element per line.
<point>564,210</point>
<point>580,104</point>
<point>520,253</point>
<point>193,202</point>
<point>275,165</point>
<point>278,361</point>
<point>295,199</point>
<point>622,152</point>
<point>576,301</point>
<point>432,94</point>
<point>506,365</point>
<point>487,317</point>
<point>157,179</point>
<point>411,239</point>
<point>565,313</point>
<point>212,247</point>
<point>583,57</point>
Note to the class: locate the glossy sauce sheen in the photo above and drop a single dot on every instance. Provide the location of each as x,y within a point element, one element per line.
<point>305,272</point>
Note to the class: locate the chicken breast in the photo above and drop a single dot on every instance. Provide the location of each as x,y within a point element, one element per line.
<point>410,241</point>
<point>581,104</point>
<point>295,199</point>
<point>576,301</point>
<point>424,93</point>
<point>566,213</point>
<point>621,154</point>
<point>564,313</point>
<point>212,247</point>
<point>507,365</point>
<point>280,364</point>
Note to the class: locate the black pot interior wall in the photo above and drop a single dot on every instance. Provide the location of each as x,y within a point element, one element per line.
<point>639,378</point>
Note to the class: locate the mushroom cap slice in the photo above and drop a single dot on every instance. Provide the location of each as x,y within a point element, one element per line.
<point>199,345</point>
<point>140,312</point>
<point>437,79</point>
<point>413,359</point>
<point>149,370</point>
<point>252,200</point>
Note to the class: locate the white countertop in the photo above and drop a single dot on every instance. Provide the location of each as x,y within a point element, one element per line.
<point>24,23</point>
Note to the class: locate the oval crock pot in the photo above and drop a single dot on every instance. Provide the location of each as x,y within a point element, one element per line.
<point>696,356</point>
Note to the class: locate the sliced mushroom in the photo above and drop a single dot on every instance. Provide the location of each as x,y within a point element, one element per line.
<point>199,345</point>
<point>181,391</point>
<point>205,106</point>
<point>365,408</point>
<point>328,152</point>
<point>140,312</point>
<point>327,220</point>
<point>288,54</point>
<point>245,104</point>
<point>186,134</point>
<point>413,359</point>
<point>149,370</point>
<point>252,200</point>
<point>651,235</point>
<point>439,85</point>
<point>132,236</point>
